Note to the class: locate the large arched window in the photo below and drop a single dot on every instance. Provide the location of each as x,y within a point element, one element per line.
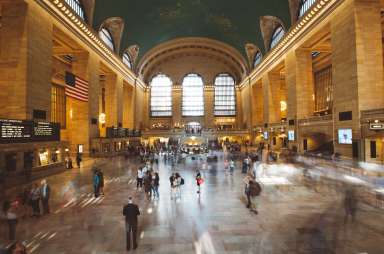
<point>161,96</point>
<point>106,37</point>
<point>225,98</point>
<point>77,7</point>
<point>193,95</point>
<point>127,60</point>
<point>257,59</point>
<point>305,5</point>
<point>277,35</point>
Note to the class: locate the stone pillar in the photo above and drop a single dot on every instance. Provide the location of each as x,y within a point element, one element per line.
<point>357,66</point>
<point>128,106</point>
<point>299,83</point>
<point>176,104</point>
<point>94,94</point>
<point>300,90</point>
<point>245,103</point>
<point>209,107</point>
<point>111,100</point>
<point>271,92</point>
<point>257,104</point>
<point>24,84</point>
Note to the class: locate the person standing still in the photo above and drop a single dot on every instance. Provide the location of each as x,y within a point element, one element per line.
<point>131,212</point>
<point>35,200</point>
<point>101,182</point>
<point>96,184</point>
<point>78,160</point>
<point>45,194</point>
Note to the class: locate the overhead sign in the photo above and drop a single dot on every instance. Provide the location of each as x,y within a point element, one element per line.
<point>376,126</point>
<point>24,131</point>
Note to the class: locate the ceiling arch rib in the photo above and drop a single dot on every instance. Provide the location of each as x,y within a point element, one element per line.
<point>268,25</point>
<point>209,49</point>
<point>115,26</point>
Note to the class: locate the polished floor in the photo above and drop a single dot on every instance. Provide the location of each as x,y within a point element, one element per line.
<point>294,215</point>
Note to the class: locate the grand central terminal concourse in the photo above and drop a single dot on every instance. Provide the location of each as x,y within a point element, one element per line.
<point>192,126</point>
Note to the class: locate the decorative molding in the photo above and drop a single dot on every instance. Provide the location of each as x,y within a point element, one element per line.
<point>313,17</point>
<point>68,18</point>
<point>268,25</point>
<point>115,25</point>
<point>192,46</point>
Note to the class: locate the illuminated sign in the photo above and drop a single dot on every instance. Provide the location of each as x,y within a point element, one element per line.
<point>291,135</point>
<point>24,131</point>
<point>376,126</point>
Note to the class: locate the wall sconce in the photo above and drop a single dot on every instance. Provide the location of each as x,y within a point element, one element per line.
<point>70,113</point>
<point>102,118</point>
<point>283,106</point>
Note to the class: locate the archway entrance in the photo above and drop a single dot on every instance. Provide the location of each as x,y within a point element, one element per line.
<point>193,128</point>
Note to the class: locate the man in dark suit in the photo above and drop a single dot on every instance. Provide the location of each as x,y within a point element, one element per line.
<point>131,211</point>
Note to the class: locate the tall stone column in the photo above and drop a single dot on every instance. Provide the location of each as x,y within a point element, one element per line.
<point>25,85</point>
<point>357,66</point>
<point>271,92</point>
<point>111,100</point>
<point>176,104</point>
<point>209,105</point>
<point>300,90</point>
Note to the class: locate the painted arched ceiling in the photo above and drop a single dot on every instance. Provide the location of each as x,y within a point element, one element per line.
<point>151,22</point>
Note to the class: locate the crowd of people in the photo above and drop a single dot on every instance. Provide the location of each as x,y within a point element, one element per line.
<point>32,202</point>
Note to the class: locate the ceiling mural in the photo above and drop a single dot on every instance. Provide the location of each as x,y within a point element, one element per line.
<point>151,22</point>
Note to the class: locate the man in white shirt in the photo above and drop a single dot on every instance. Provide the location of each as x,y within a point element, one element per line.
<point>139,179</point>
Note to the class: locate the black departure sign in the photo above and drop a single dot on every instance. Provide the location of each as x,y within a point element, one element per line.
<point>24,131</point>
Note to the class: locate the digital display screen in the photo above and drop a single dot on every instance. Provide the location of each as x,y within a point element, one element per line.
<point>345,136</point>
<point>265,134</point>
<point>24,131</point>
<point>291,135</point>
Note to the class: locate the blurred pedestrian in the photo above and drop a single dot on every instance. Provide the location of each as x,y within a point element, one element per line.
<point>45,195</point>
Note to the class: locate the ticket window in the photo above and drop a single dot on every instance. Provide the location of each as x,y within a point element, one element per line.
<point>43,157</point>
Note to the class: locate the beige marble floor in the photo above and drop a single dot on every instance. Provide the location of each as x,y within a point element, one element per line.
<point>292,218</point>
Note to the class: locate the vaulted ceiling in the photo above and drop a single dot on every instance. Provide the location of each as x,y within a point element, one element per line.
<point>148,23</point>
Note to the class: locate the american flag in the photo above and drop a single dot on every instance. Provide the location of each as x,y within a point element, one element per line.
<point>76,87</point>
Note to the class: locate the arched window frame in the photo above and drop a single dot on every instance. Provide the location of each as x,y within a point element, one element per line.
<point>225,95</point>
<point>193,96</point>
<point>106,37</point>
<point>127,60</point>
<point>161,96</point>
<point>277,36</point>
<point>257,59</point>
<point>77,7</point>
<point>304,6</point>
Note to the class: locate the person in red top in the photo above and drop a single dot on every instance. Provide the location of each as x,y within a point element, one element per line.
<point>199,181</point>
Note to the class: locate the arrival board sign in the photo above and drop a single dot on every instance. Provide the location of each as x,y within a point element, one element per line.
<point>22,131</point>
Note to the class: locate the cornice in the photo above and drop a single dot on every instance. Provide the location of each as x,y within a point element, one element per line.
<point>313,17</point>
<point>68,18</point>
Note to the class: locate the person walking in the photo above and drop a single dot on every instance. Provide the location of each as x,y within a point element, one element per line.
<point>101,181</point>
<point>350,205</point>
<point>139,178</point>
<point>231,166</point>
<point>199,181</point>
<point>35,200</point>
<point>45,194</point>
<point>131,212</point>
<point>148,184</point>
<point>96,183</point>
<point>10,214</point>
<point>156,184</point>
<point>78,160</point>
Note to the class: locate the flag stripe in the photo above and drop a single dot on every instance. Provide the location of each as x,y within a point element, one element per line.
<point>79,91</point>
